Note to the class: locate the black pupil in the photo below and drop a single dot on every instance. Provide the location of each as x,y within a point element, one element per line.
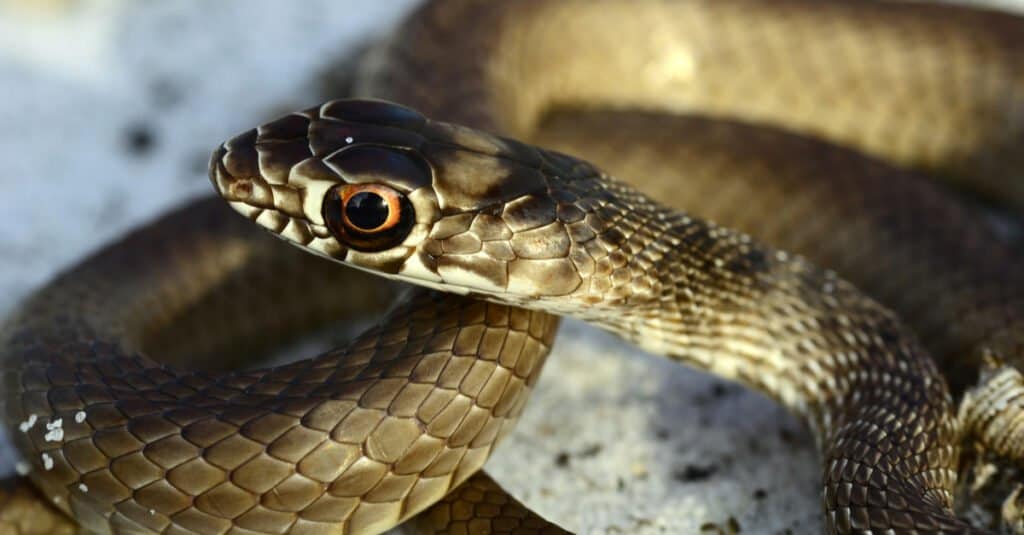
<point>366,210</point>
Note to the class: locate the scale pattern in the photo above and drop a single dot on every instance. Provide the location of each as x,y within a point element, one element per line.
<point>572,240</point>
<point>355,440</point>
<point>130,445</point>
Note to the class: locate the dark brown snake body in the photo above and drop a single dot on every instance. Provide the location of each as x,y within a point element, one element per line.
<point>359,439</point>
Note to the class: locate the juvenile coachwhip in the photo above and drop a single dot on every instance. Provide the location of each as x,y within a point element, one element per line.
<point>361,438</point>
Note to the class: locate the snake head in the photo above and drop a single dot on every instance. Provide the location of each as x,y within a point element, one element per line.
<point>341,180</point>
<point>378,186</point>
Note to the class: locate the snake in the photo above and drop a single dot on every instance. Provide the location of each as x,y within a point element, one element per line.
<point>122,384</point>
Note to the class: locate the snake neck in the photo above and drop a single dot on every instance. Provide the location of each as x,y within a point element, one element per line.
<point>719,300</point>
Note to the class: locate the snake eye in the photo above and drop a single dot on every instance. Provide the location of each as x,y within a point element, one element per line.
<point>368,210</point>
<point>368,217</point>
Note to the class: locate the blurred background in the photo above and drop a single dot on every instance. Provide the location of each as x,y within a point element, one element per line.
<point>109,110</point>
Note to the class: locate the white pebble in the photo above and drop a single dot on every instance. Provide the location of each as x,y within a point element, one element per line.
<point>22,468</point>
<point>349,139</point>
<point>83,487</point>
<point>55,431</point>
<point>27,424</point>
<point>47,461</point>
<point>79,416</point>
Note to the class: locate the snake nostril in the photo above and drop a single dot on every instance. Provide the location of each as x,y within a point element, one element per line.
<point>231,187</point>
<point>240,189</point>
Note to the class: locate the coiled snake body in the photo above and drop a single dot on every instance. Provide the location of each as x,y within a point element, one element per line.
<point>359,439</point>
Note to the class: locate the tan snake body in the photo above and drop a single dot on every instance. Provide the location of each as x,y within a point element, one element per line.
<point>361,438</point>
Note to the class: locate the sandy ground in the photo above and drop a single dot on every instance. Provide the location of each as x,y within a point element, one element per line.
<point>109,112</point>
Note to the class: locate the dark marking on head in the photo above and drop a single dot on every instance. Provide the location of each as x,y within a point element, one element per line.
<point>241,160</point>
<point>290,127</point>
<point>329,136</point>
<point>377,112</point>
<point>468,180</point>
<point>276,162</point>
<point>529,211</point>
<point>242,141</point>
<point>483,143</point>
<point>372,164</point>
